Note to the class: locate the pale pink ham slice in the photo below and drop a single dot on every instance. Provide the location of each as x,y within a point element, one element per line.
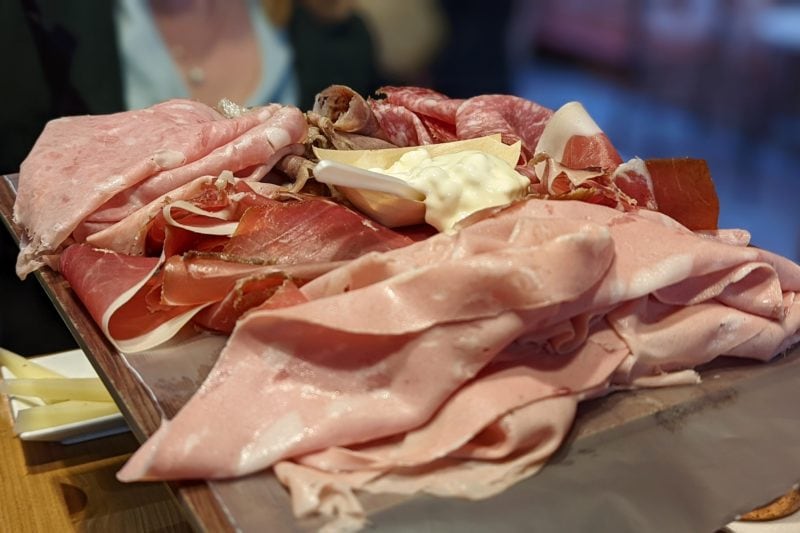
<point>279,132</point>
<point>369,346</point>
<point>540,280</point>
<point>541,425</point>
<point>81,163</point>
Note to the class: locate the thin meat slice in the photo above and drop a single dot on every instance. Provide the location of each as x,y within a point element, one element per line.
<point>402,126</point>
<point>81,163</point>
<point>308,229</point>
<point>515,118</point>
<point>280,132</point>
<point>267,291</point>
<point>683,189</point>
<point>496,430</point>
<point>194,279</point>
<point>424,101</point>
<point>144,230</point>
<point>455,430</point>
<point>122,295</point>
<point>368,347</point>
<point>576,160</point>
<point>634,180</point>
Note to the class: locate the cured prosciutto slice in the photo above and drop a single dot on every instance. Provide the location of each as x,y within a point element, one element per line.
<point>98,169</point>
<point>576,160</point>
<point>308,229</point>
<point>255,250</point>
<point>551,299</point>
<point>266,291</point>
<point>233,287</point>
<point>683,189</point>
<point>121,294</point>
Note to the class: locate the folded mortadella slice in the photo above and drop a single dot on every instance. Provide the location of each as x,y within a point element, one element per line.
<point>96,170</point>
<point>372,361</point>
<point>387,340</point>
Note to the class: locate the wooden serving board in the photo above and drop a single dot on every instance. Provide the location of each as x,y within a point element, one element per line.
<point>685,458</point>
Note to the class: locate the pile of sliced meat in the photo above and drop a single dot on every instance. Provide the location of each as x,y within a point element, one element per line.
<point>453,365</point>
<point>564,153</point>
<point>380,360</point>
<point>87,173</point>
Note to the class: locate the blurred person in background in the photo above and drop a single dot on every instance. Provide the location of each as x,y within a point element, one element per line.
<point>77,57</point>
<point>63,58</point>
<point>474,59</point>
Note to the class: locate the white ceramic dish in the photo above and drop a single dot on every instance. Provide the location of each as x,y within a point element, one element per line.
<point>73,364</point>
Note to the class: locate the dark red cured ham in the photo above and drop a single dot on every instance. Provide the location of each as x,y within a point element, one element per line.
<point>209,194</point>
<point>590,152</point>
<point>271,291</point>
<point>87,171</point>
<point>515,118</point>
<point>684,190</point>
<point>231,287</point>
<point>100,277</point>
<point>118,291</point>
<point>309,229</point>
<point>634,180</point>
<point>252,246</point>
<point>195,279</point>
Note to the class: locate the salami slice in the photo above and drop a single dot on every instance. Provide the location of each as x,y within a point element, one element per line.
<point>423,101</point>
<point>440,131</point>
<point>402,127</point>
<point>515,118</point>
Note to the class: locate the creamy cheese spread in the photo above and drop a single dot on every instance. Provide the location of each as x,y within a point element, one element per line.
<point>459,184</point>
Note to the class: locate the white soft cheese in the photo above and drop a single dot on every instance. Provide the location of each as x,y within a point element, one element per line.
<point>459,184</point>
